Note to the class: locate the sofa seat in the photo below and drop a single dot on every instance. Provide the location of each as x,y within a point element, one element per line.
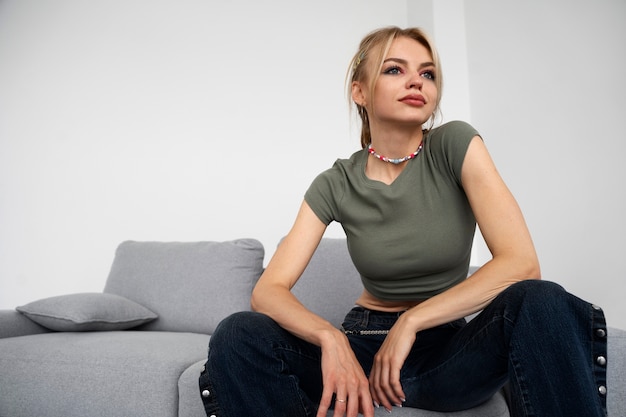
<point>153,369</point>
<point>495,407</point>
<point>108,373</point>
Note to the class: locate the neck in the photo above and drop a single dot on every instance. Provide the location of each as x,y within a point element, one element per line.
<point>395,147</point>
<point>396,144</point>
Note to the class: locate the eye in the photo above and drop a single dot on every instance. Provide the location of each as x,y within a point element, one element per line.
<point>393,70</point>
<point>429,75</point>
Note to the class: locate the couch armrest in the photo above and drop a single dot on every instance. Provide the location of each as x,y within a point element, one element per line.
<point>616,372</point>
<point>13,323</point>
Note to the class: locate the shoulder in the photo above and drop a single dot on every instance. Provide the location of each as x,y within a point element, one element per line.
<point>343,168</point>
<point>447,145</point>
<point>454,130</point>
<point>326,192</point>
<point>452,137</point>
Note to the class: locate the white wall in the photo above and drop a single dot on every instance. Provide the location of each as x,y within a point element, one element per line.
<point>163,120</point>
<point>548,93</point>
<point>198,120</point>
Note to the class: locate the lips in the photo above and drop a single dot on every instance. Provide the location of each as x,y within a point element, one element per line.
<point>414,100</point>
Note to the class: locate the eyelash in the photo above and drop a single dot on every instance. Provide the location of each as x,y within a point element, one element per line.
<point>429,75</point>
<point>394,70</point>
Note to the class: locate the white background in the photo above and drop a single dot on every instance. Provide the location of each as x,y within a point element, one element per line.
<point>206,120</point>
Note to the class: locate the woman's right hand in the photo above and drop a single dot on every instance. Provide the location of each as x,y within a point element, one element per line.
<point>342,374</point>
<point>343,379</point>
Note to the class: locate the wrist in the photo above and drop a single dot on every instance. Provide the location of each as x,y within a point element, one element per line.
<point>411,320</point>
<point>330,337</point>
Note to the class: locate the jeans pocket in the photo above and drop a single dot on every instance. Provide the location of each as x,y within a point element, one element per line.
<point>350,326</point>
<point>354,320</point>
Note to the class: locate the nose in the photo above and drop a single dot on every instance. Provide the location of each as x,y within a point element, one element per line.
<point>415,81</point>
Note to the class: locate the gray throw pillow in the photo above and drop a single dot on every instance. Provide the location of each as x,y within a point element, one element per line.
<point>87,312</point>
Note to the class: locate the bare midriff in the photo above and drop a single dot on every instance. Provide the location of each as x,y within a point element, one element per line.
<point>370,302</point>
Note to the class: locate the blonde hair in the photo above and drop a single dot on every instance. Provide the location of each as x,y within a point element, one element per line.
<point>371,54</point>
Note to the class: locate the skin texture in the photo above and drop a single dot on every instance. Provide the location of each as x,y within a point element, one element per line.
<point>403,100</point>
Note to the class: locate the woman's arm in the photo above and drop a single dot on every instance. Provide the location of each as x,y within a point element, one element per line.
<point>513,259</point>
<point>503,227</point>
<point>341,372</point>
<point>272,294</point>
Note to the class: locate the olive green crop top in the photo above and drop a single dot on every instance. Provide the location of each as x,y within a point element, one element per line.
<point>412,239</point>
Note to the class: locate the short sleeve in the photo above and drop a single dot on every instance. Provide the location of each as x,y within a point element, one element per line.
<point>324,195</point>
<point>449,146</point>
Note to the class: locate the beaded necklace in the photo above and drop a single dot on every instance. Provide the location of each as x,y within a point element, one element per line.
<point>395,161</point>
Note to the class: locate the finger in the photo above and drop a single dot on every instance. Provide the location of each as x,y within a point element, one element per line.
<point>373,392</point>
<point>390,385</point>
<point>325,402</point>
<point>385,391</point>
<point>358,400</point>
<point>396,386</point>
<point>389,388</point>
<point>341,404</point>
<point>376,388</point>
<point>352,408</point>
<point>364,405</point>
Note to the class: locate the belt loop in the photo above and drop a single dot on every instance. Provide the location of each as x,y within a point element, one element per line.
<point>365,318</point>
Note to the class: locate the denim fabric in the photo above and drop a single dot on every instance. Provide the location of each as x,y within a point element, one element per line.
<point>549,345</point>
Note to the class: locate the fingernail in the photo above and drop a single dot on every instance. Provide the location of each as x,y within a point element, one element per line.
<point>376,404</point>
<point>403,400</point>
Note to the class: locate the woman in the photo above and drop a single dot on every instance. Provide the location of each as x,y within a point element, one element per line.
<point>409,202</point>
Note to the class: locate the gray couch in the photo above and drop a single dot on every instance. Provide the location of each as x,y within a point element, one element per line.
<point>137,348</point>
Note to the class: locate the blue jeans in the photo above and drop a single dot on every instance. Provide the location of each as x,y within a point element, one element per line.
<point>548,344</point>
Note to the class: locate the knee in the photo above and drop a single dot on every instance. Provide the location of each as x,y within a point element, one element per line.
<point>539,297</point>
<point>243,331</point>
<point>238,339</point>
<point>538,289</point>
<point>238,325</point>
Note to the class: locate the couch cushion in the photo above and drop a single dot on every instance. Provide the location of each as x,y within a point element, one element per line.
<point>495,407</point>
<point>189,401</point>
<point>13,324</point>
<point>616,372</point>
<point>87,312</point>
<point>96,374</point>
<point>191,286</point>
<point>330,283</point>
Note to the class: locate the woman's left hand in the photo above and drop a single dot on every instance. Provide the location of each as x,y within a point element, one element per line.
<point>384,378</point>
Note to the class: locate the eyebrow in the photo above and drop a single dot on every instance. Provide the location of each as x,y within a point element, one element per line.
<point>405,62</point>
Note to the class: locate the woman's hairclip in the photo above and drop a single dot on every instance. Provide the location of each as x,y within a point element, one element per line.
<point>359,59</point>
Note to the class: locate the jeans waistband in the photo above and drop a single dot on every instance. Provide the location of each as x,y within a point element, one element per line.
<point>374,322</point>
<point>377,313</point>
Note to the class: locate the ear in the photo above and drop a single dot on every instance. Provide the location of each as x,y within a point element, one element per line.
<point>358,94</point>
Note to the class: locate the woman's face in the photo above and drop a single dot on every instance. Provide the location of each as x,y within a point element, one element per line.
<point>405,91</point>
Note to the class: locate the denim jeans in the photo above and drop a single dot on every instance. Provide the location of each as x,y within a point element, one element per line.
<point>548,344</point>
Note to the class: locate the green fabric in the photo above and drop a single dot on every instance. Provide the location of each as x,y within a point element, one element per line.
<point>412,239</point>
